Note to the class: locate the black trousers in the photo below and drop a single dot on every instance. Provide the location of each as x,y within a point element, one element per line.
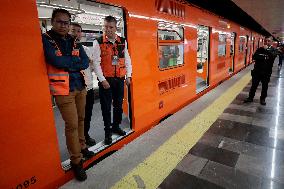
<point>113,95</point>
<point>90,99</point>
<point>280,60</point>
<point>256,78</point>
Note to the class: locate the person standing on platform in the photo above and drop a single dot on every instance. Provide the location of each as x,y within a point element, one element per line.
<point>76,31</point>
<point>264,58</point>
<point>65,59</point>
<point>280,56</point>
<point>113,67</point>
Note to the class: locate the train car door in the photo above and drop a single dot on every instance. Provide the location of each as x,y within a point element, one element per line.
<point>253,45</point>
<point>232,52</point>
<point>242,42</point>
<point>246,49</point>
<point>202,81</point>
<point>90,15</point>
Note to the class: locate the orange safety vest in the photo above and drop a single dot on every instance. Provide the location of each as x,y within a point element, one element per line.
<point>108,51</point>
<point>58,78</point>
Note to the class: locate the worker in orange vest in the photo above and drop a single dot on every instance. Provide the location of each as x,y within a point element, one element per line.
<point>112,67</point>
<point>65,59</point>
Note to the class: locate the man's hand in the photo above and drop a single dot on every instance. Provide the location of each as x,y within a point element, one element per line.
<point>105,84</point>
<point>128,81</point>
<point>91,65</point>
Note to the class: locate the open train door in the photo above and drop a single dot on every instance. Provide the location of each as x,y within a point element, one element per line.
<point>202,77</point>
<point>91,20</point>
<point>246,49</point>
<point>232,52</point>
<point>253,45</point>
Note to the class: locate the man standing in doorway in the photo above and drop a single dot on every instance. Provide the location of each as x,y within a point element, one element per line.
<point>264,58</point>
<point>65,59</point>
<point>112,66</point>
<point>76,31</point>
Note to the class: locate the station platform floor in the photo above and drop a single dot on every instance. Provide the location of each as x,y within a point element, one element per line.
<point>216,141</point>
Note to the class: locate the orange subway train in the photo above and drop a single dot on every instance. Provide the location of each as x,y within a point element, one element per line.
<point>178,52</point>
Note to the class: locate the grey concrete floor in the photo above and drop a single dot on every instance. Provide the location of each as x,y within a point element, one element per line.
<point>113,168</point>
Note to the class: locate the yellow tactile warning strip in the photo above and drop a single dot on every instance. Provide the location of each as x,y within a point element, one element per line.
<point>155,168</point>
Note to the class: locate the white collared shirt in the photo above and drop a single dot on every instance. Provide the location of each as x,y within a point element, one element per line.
<point>88,72</point>
<point>97,61</point>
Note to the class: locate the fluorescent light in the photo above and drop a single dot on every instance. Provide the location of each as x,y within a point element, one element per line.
<point>99,14</point>
<point>71,9</point>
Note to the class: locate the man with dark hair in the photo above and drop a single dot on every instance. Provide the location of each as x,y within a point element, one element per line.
<point>60,11</point>
<point>65,59</point>
<point>76,31</point>
<point>110,19</point>
<point>76,27</point>
<point>264,58</point>
<point>112,66</point>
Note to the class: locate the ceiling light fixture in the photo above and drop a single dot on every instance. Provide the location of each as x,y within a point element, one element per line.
<point>71,9</point>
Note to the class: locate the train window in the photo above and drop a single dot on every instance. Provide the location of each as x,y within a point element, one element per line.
<point>90,16</point>
<point>248,52</point>
<point>169,35</point>
<point>232,39</point>
<point>242,43</point>
<point>170,42</point>
<point>202,46</point>
<point>241,47</point>
<point>222,45</point>
<point>232,43</point>
<point>203,36</point>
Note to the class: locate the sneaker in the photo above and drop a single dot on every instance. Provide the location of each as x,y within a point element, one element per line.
<point>247,100</point>
<point>118,131</point>
<point>79,172</point>
<point>108,139</point>
<point>87,154</point>
<point>90,141</point>
<point>262,102</point>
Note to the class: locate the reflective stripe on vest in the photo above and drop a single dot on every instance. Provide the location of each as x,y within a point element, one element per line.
<point>58,78</point>
<point>108,50</point>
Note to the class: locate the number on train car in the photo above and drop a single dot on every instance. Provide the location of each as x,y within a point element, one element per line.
<point>26,183</point>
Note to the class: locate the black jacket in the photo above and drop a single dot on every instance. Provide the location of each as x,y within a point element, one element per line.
<point>264,59</point>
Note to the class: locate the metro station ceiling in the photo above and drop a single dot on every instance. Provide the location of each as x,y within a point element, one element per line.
<point>269,14</point>
<point>263,16</point>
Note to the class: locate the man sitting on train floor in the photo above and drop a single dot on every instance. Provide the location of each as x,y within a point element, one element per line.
<point>112,65</point>
<point>65,59</point>
<point>76,31</point>
<point>264,58</point>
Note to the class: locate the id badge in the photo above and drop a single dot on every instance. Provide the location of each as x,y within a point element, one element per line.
<point>58,53</point>
<point>114,60</point>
